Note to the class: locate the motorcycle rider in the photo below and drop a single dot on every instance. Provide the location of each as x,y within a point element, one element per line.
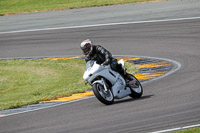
<point>102,56</point>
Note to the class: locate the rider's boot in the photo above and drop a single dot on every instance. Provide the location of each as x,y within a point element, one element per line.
<point>123,72</point>
<point>125,75</point>
<point>128,78</point>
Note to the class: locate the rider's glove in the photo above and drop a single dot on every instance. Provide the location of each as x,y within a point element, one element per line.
<point>105,63</point>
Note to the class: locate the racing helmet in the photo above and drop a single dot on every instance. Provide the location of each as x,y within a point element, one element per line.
<point>87,47</point>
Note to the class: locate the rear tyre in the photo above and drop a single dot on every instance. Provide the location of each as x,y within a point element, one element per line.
<point>136,87</point>
<point>106,97</point>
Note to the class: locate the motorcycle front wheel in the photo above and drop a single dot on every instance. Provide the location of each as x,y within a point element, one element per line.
<point>106,97</point>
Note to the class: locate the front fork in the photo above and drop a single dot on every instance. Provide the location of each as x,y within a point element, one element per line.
<point>102,82</point>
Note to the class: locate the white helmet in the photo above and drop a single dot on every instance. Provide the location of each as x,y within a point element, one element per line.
<point>87,46</point>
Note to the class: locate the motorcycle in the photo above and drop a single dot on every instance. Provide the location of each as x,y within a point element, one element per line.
<point>108,84</point>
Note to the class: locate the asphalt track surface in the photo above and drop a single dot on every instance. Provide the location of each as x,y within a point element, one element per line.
<point>170,102</point>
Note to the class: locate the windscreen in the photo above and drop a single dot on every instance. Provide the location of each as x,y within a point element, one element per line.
<point>89,64</point>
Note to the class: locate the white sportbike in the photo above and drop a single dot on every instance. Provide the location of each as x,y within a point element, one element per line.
<point>108,85</point>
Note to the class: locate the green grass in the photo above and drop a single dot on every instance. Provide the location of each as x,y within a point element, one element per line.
<point>21,6</point>
<point>24,82</point>
<point>192,130</point>
<point>133,69</point>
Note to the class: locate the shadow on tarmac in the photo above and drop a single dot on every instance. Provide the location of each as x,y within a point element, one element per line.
<point>131,99</point>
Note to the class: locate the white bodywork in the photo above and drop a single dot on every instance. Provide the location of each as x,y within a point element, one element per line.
<point>118,83</point>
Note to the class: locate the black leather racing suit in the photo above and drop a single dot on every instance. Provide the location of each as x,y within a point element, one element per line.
<point>104,57</point>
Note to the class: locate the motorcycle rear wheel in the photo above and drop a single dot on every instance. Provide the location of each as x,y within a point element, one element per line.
<point>136,89</point>
<point>106,97</point>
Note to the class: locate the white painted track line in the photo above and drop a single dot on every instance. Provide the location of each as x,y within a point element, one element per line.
<point>98,25</point>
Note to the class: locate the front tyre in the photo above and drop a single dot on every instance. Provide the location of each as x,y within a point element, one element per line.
<point>106,97</point>
<point>136,87</point>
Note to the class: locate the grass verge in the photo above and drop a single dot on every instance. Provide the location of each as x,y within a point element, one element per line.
<point>24,82</point>
<point>192,130</point>
<point>22,6</point>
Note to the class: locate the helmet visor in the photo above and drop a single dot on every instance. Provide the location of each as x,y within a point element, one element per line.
<point>86,51</point>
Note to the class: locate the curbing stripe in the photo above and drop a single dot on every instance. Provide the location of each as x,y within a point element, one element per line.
<point>158,64</point>
<point>73,97</point>
<point>62,58</point>
<point>128,58</point>
<point>147,76</point>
